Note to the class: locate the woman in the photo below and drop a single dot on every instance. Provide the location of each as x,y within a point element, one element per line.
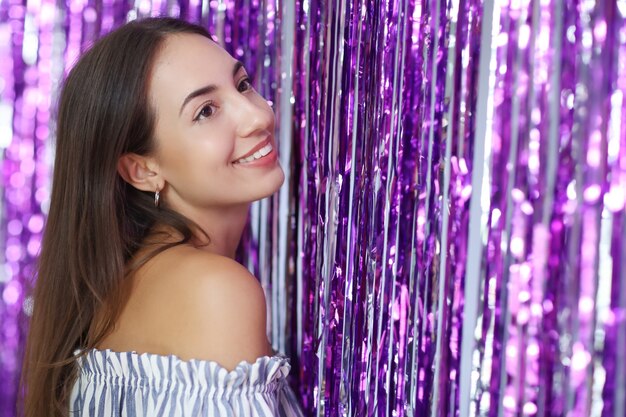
<point>139,307</point>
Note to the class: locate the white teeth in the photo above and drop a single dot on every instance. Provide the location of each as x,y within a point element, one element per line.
<point>265,150</point>
<point>258,154</point>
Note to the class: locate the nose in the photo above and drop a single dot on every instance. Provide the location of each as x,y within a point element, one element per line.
<point>252,115</point>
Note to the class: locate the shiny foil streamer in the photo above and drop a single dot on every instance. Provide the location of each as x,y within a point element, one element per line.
<point>550,325</point>
<point>449,237</point>
<point>375,122</point>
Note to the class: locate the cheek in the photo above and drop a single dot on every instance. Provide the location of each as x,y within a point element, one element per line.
<point>207,146</point>
<point>214,149</point>
<point>200,161</point>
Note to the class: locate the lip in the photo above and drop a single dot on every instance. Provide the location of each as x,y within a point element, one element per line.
<point>268,160</point>
<point>256,148</point>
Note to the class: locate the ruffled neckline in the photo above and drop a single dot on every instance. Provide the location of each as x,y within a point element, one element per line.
<point>155,369</point>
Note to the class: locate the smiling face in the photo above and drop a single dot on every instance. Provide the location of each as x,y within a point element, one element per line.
<point>209,119</point>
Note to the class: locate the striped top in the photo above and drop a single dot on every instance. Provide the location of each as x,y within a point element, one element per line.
<point>131,385</point>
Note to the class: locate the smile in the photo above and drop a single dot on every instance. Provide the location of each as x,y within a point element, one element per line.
<point>257,155</point>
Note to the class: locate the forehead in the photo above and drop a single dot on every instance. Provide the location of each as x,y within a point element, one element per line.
<point>186,62</point>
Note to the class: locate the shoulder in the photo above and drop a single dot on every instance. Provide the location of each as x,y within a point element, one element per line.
<point>213,277</point>
<point>203,306</point>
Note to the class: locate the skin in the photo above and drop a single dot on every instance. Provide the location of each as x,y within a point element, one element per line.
<point>198,303</point>
<point>193,166</point>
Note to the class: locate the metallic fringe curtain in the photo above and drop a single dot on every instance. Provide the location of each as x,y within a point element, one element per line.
<point>450,238</point>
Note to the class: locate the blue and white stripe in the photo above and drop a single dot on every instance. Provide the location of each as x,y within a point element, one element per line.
<point>128,384</point>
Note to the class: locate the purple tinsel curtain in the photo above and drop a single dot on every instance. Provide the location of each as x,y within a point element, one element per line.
<point>449,240</point>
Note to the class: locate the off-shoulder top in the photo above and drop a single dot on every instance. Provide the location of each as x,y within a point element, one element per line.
<point>135,385</point>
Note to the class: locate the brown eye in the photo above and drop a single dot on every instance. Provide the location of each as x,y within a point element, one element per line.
<point>205,112</point>
<point>244,85</point>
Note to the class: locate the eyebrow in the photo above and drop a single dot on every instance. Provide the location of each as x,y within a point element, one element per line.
<point>207,89</point>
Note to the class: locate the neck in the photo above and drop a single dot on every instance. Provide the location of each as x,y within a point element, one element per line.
<point>224,227</point>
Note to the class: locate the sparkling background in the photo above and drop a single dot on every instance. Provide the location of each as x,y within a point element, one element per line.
<point>449,240</point>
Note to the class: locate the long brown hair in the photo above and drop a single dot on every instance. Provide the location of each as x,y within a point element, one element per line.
<point>96,222</point>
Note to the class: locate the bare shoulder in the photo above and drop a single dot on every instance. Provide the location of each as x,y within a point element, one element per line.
<point>201,306</point>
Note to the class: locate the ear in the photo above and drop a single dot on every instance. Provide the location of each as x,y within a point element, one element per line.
<point>140,172</point>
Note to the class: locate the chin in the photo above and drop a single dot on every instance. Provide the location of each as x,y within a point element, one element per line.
<point>282,177</point>
<point>275,186</point>
<point>270,185</point>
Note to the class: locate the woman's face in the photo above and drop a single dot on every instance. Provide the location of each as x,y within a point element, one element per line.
<point>208,117</point>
